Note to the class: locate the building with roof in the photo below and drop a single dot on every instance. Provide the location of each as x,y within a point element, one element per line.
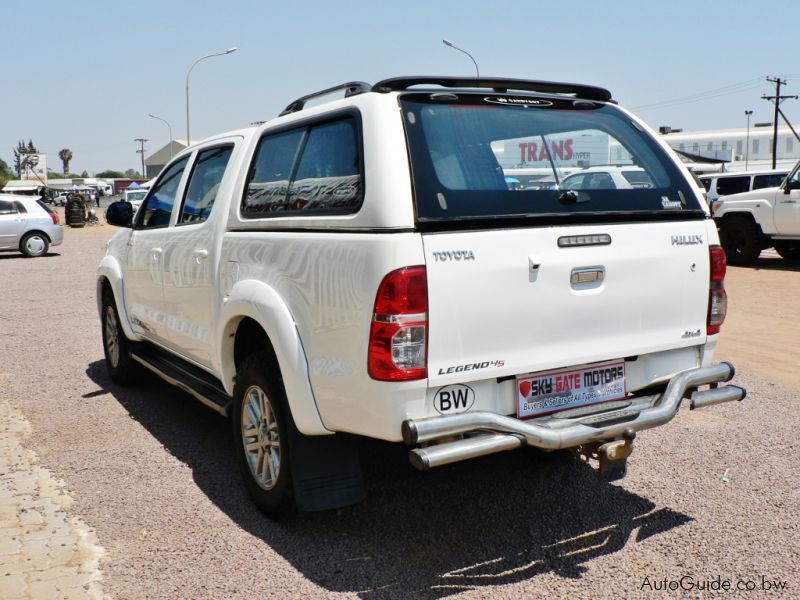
<point>740,147</point>
<point>158,160</point>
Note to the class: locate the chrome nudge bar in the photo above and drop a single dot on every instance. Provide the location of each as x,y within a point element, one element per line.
<point>496,433</point>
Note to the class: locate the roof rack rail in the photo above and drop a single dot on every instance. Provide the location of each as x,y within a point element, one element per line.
<point>351,88</point>
<point>497,84</point>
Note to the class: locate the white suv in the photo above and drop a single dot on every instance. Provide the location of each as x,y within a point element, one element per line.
<point>363,268</point>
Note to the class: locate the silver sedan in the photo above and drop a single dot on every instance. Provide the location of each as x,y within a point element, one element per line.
<point>27,224</point>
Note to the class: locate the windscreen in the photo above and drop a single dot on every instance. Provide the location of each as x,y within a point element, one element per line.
<point>476,156</point>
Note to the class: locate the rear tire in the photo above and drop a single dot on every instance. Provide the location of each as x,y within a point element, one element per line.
<point>34,244</point>
<point>116,347</point>
<point>741,241</point>
<point>260,422</point>
<point>788,250</point>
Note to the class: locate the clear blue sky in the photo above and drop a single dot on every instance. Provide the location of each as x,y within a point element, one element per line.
<point>85,74</point>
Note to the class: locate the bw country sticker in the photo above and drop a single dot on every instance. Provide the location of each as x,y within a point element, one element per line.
<point>453,399</point>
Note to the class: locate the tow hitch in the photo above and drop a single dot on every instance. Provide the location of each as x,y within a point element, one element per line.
<point>612,457</point>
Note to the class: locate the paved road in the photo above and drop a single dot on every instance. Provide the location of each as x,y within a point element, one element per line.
<point>150,476</point>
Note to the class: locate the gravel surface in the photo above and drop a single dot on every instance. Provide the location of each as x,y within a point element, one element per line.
<point>713,494</point>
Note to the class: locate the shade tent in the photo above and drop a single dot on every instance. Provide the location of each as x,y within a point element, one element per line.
<point>21,186</point>
<point>133,186</point>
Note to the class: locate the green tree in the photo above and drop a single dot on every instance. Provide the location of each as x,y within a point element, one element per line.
<point>85,173</point>
<point>109,174</point>
<point>19,152</point>
<point>133,174</point>
<point>65,155</point>
<point>5,173</point>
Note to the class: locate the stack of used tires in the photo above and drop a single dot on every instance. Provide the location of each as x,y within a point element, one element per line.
<point>75,213</point>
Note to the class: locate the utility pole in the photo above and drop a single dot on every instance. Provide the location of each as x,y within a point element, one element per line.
<point>777,99</point>
<point>747,114</point>
<point>141,151</point>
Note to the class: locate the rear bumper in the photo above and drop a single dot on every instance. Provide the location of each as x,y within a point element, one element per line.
<point>486,433</point>
<point>56,235</point>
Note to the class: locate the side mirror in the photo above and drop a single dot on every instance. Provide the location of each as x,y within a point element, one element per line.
<point>120,214</point>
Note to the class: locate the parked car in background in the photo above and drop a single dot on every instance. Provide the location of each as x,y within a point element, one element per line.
<point>724,184</point>
<point>61,199</point>
<point>135,197</point>
<point>753,221</point>
<point>27,224</point>
<point>607,178</point>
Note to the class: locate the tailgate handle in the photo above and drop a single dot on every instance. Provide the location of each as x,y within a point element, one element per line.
<point>587,275</point>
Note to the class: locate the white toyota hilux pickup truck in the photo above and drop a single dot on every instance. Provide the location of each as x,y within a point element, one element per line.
<point>366,268</point>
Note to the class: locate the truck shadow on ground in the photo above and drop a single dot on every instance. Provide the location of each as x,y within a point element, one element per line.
<point>771,264</point>
<point>496,520</point>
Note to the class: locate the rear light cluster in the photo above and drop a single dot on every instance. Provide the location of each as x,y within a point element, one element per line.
<point>398,337</point>
<point>54,217</point>
<point>717,298</point>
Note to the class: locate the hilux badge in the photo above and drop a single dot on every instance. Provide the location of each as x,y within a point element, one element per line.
<point>687,240</point>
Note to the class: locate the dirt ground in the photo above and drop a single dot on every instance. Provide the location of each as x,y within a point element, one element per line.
<point>761,333</point>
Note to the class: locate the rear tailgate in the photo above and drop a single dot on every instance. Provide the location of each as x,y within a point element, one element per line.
<point>506,302</point>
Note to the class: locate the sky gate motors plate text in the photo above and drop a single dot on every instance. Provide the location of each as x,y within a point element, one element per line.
<point>557,390</point>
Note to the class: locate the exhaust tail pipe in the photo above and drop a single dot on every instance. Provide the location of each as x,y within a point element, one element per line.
<point>443,454</point>
<point>710,397</point>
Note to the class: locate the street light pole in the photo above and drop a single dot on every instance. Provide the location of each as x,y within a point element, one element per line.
<point>451,45</point>
<point>228,51</point>
<point>172,150</point>
<point>747,113</point>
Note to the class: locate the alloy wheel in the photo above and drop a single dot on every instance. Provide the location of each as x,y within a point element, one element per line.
<point>261,438</point>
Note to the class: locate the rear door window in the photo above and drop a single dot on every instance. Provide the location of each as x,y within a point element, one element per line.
<point>733,185</point>
<point>40,203</point>
<point>313,169</point>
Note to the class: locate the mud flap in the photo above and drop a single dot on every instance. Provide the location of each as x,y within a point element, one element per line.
<point>326,470</point>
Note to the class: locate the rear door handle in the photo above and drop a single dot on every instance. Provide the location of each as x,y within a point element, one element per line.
<point>200,254</point>
<point>587,275</point>
<point>156,253</point>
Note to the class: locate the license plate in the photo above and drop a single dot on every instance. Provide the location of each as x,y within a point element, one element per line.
<point>543,393</point>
